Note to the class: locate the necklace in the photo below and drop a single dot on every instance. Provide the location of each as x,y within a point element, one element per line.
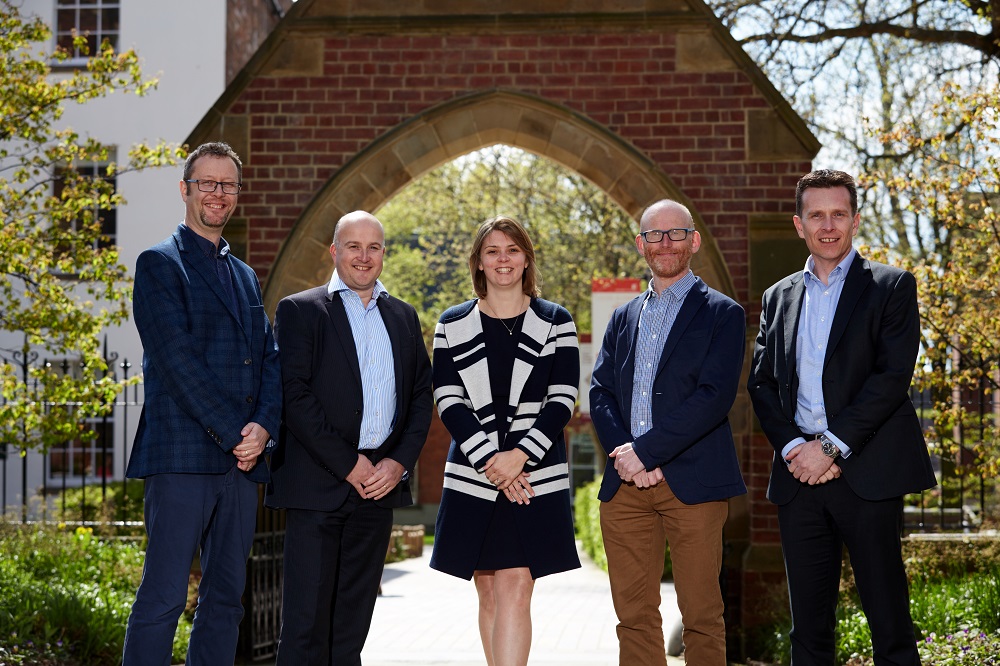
<point>510,329</point>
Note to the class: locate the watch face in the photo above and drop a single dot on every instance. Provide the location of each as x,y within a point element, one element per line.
<point>829,448</point>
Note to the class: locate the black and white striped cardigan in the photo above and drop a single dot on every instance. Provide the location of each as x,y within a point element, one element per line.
<point>543,392</point>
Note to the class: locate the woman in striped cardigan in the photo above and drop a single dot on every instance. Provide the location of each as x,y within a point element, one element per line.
<point>506,376</point>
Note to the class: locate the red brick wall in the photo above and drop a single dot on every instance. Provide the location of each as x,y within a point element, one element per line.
<point>693,125</point>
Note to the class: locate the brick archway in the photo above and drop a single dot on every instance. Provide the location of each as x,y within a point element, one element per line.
<point>459,127</point>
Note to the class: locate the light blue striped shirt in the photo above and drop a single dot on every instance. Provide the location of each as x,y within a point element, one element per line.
<point>819,304</point>
<point>655,321</point>
<point>378,374</point>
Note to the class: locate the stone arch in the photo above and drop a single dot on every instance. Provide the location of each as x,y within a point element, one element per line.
<point>458,127</point>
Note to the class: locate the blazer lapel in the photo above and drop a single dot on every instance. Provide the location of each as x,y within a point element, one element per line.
<point>858,277</point>
<point>791,307</point>
<point>190,258</point>
<point>628,367</point>
<point>342,326</point>
<point>695,298</point>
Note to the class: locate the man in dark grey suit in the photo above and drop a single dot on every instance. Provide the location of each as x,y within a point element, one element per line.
<point>830,385</point>
<point>213,399</point>
<point>357,387</point>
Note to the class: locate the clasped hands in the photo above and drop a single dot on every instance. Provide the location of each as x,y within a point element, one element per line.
<point>255,438</point>
<point>808,464</point>
<point>375,481</point>
<point>631,469</point>
<point>505,470</point>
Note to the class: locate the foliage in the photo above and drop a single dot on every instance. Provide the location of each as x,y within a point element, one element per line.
<point>88,503</point>
<point>69,591</point>
<point>855,70</point>
<point>954,602</point>
<point>958,191</point>
<point>577,231</point>
<point>587,516</point>
<point>60,283</point>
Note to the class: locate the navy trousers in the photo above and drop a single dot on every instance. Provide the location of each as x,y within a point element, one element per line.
<point>215,513</point>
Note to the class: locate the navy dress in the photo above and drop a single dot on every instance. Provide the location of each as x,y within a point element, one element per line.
<point>502,546</point>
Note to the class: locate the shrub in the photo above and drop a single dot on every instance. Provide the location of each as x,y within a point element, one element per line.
<point>88,502</point>
<point>68,591</point>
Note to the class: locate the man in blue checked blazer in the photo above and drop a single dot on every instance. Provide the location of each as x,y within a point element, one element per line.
<point>212,403</point>
<point>665,379</point>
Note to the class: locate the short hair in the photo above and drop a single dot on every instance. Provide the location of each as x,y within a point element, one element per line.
<point>826,179</point>
<point>517,233</point>
<point>213,149</point>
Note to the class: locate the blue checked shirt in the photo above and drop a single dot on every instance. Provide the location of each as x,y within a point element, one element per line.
<point>378,374</point>
<point>819,304</point>
<point>655,321</point>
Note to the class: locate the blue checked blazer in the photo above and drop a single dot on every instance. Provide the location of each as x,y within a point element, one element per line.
<point>207,372</point>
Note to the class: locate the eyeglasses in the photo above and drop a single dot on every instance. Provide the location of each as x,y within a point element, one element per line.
<point>656,235</point>
<point>210,185</point>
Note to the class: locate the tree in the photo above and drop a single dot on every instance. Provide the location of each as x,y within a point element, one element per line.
<point>60,282</point>
<point>960,294</point>
<point>577,231</point>
<point>856,70</point>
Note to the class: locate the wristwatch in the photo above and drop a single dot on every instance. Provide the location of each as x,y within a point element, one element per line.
<point>829,448</point>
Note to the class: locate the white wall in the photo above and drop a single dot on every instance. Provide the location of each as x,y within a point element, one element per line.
<point>183,44</point>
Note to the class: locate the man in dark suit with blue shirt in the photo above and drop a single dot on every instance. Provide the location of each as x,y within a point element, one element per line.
<point>212,402</point>
<point>830,385</point>
<point>357,392</point>
<point>663,384</point>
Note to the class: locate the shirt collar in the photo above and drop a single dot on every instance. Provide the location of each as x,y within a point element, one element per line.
<point>206,246</point>
<point>336,284</point>
<point>678,289</point>
<point>837,273</point>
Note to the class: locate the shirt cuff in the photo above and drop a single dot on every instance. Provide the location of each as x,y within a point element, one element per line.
<point>791,445</point>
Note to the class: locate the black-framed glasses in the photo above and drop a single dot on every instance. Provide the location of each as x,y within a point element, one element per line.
<point>210,185</point>
<point>656,235</point>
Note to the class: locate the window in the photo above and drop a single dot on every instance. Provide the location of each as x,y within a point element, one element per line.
<point>83,460</point>
<point>95,20</point>
<point>108,216</point>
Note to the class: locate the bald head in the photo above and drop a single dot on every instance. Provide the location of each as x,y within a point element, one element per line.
<point>356,217</point>
<point>662,210</point>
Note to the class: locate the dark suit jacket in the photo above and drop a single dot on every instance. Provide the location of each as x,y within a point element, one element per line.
<point>207,371</point>
<point>693,390</point>
<point>324,402</point>
<point>869,363</point>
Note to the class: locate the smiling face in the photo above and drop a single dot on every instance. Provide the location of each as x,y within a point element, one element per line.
<point>668,260</point>
<point>358,252</point>
<point>206,213</point>
<point>827,226</point>
<point>502,262</point>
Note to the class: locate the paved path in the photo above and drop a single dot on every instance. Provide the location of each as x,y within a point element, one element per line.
<point>427,618</point>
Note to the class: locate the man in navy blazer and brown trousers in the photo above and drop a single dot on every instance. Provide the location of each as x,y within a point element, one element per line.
<point>357,387</point>
<point>830,385</point>
<point>665,379</point>
<point>212,403</point>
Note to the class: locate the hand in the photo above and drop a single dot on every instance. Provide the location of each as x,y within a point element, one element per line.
<point>808,464</point>
<point>503,468</point>
<point>255,438</point>
<point>648,479</point>
<point>831,474</point>
<point>520,490</point>
<point>385,476</point>
<point>363,470</point>
<point>627,463</point>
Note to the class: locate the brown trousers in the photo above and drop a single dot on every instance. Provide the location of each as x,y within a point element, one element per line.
<point>636,524</point>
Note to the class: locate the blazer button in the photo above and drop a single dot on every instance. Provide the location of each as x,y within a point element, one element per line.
<point>249,398</point>
<point>248,361</point>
